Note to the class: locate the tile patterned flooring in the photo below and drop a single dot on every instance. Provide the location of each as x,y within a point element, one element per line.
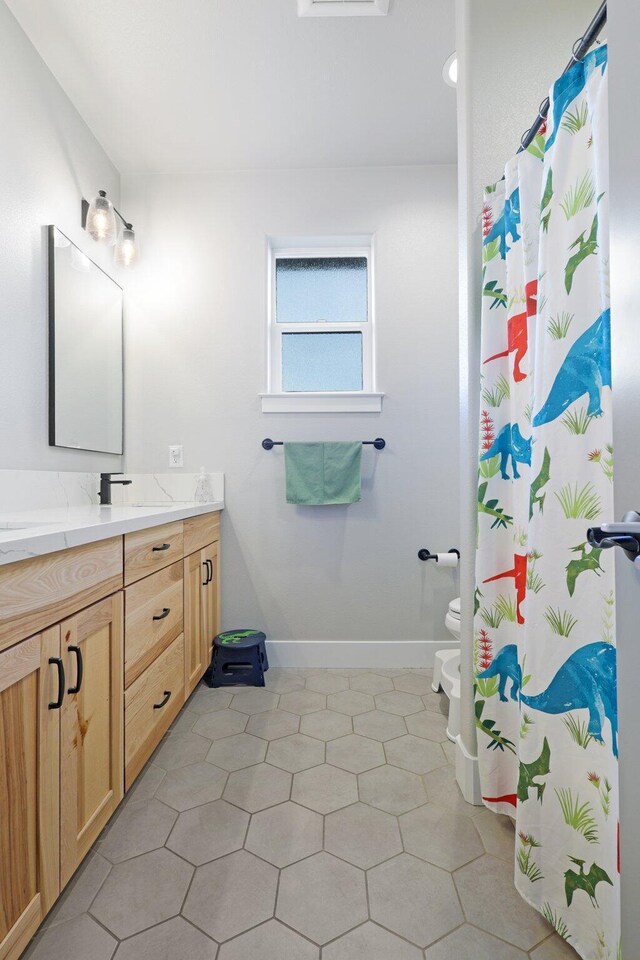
<point>316,818</point>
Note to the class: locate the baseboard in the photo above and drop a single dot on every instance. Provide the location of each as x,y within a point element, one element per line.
<point>467,774</point>
<point>355,653</point>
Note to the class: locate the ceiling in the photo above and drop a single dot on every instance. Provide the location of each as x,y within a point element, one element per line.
<point>185,85</point>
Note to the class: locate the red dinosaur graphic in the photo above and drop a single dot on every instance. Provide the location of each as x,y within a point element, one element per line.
<point>519,574</point>
<point>507,798</point>
<point>518,333</point>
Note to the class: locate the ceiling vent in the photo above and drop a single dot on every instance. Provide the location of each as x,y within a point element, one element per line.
<point>343,8</point>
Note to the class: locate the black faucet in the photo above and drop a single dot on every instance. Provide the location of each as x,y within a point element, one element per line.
<point>105,487</point>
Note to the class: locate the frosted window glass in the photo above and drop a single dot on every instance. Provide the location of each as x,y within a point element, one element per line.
<point>316,289</point>
<point>321,362</point>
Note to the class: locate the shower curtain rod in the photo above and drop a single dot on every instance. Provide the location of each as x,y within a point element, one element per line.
<point>580,48</point>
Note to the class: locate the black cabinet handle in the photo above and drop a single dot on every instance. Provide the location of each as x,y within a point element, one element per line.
<point>165,613</point>
<point>209,564</point>
<point>164,701</point>
<point>56,704</point>
<point>80,669</point>
<point>163,546</point>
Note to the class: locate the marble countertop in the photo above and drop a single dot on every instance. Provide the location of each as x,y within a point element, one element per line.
<point>32,533</point>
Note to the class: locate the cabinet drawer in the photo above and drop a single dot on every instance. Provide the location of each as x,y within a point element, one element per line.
<point>153,618</point>
<point>36,593</point>
<point>146,551</point>
<point>199,531</point>
<point>150,705</point>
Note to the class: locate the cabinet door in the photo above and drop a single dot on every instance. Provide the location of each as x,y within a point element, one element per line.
<point>210,613</point>
<point>91,733</point>
<point>195,576</point>
<point>29,792</point>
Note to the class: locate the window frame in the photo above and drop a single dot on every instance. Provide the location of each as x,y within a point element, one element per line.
<point>275,397</point>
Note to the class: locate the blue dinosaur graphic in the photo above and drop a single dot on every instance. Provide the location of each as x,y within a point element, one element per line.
<point>507,224</point>
<point>585,369</point>
<point>506,667</point>
<point>510,443</point>
<point>587,680</point>
<point>571,84</point>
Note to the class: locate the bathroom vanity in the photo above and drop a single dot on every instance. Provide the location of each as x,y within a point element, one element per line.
<point>106,622</point>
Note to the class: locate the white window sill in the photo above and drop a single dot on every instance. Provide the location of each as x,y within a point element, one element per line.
<point>321,402</point>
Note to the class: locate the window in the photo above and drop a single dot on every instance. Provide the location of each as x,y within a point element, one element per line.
<point>321,355</point>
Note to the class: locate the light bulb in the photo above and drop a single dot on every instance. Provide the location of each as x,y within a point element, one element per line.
<point>450,70</point>
<point>126,248</point>
<point>101,220</point>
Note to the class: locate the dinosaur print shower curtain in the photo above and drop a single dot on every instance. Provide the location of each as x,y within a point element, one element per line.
<point>545,662</point>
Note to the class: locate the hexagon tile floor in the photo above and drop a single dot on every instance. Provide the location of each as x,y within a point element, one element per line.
<point>316,818</point>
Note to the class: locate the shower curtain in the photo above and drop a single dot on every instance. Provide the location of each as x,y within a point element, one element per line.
<point>544,630</point>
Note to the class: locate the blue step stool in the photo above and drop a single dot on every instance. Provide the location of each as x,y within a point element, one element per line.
<point>239,657</point>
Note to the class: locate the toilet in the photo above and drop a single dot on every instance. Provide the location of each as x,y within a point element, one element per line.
<point>446,670</point>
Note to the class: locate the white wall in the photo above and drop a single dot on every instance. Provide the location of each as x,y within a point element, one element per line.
<point>49,159</point>
<point>197,315</point>
<point>510,53</point>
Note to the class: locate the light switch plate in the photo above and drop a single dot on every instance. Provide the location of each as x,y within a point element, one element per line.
<point>176,456</point>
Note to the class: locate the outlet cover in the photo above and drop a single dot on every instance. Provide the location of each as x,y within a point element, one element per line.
<point>176,456</point>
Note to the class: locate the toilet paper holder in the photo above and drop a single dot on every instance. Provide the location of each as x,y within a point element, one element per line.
<point>425,554</point>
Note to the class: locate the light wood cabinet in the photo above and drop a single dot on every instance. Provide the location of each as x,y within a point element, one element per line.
<point>201,611</point>
<point>146,551</point>
<point>91,677</point>
<point>151,704</point>
<point>38,592</point>
<point>211,598</point>
<point>30,679</point>
<point>91,728</point>
<point>153,618</point>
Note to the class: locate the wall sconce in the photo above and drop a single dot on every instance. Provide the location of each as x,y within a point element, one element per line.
<point>99,220</point>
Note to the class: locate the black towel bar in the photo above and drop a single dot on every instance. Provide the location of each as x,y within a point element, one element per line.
<point>378,443</point>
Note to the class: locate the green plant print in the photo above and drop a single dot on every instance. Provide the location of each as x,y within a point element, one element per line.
<point>574,120</point>
<point>576,421</point>
<point>556,921</point>
<point>605,459</point>
<point>579,816</point>
<point>558,326</point>
<point>580,196</point>
<point>496,293</point>
<point>524,857</point>
<point>579,502</point>
<point>492,508</point>
<point>604,789</point>
<point>488,727</point>
<point>560,621</point>
<point>578,730</point>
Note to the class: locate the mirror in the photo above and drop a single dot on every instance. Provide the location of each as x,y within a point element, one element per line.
<point>86,402</point>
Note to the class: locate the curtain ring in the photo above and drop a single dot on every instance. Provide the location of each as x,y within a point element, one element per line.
<point>577,43</point>
<point>543,109</point>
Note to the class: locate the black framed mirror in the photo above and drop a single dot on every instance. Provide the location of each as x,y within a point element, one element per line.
<point>86,351</point>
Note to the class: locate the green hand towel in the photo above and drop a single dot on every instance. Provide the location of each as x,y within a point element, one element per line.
<point>323,473</point>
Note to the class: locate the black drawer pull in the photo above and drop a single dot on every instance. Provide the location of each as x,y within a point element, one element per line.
<point>205,564</point>
<point>80,670</point>
<point>163,546</point>
<point>210,566</point>
<point>165,613</point>
<point>164,701</point>
<point>56,704</point>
